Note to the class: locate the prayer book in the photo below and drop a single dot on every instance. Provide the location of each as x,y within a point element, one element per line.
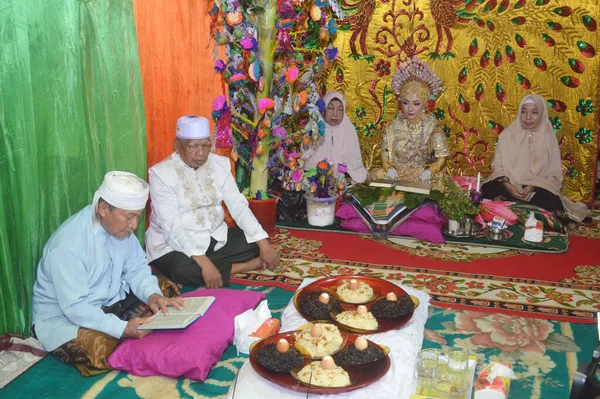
<point>412,187</point>
<point>193,308</point>
<point>403,185</point>
<point>382,183</point>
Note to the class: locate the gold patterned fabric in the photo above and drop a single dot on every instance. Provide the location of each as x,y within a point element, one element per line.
<point>488,54</point>
<point>408,145</point>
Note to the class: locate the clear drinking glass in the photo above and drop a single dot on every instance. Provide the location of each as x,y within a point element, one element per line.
<point>453,375</point>
<point>427,362</point>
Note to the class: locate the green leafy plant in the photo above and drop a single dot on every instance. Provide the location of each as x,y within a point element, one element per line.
<point>455,202</point>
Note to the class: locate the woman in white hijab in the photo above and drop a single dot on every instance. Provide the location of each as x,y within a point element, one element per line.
<point>527,165</point>
<point>340,143</point>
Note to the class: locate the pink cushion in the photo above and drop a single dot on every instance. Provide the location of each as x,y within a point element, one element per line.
<point>424,224</point>
<point>191,352</point>
<point>427,231</point>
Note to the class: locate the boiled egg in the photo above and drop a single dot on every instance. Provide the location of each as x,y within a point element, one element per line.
<point>327,363</point>
<point>391,296</point>
<point>362,310</point>
<point>353,284</point>
<point>361,343</point>
<point>316,331</point>
<point>283,345</point>
<point>324,298</point>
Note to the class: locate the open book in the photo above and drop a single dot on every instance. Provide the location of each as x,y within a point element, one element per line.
<point>412,187</point>
<point>403,185</point>
<point>193,308</point>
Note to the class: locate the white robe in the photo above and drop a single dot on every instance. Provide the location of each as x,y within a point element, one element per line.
<point>187,207</point>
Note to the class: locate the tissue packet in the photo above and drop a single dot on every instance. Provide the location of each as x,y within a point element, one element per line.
<point>493,381</point>
<point>534,229</point>
<point>498,222</point>
<point>247,323</point>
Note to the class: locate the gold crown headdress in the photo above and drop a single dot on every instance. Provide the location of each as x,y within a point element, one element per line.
<point>415,70</point>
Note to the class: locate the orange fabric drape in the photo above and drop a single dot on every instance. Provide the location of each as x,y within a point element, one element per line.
<point>177,62</point>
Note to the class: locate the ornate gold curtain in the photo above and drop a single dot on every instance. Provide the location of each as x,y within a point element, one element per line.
<point>489,54</point>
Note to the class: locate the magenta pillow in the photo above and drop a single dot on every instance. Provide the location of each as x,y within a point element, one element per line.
<point>421,229</point>
<point>191,352</point>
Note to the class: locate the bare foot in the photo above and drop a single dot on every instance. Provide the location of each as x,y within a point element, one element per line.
<point>252,264</point>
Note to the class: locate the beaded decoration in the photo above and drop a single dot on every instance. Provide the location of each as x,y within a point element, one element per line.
<point>415,70</point>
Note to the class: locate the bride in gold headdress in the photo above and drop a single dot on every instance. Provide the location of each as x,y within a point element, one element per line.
<point>414,148</point>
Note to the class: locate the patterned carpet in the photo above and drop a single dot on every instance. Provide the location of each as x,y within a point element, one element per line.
<point>575,300</point>
<point>540,349</point>
<point>540,352</point>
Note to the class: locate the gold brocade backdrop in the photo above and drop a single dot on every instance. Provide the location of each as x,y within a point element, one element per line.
<point>489,54</point>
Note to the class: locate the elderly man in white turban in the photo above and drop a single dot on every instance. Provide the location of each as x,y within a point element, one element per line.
<point>93,275</point>
<point>188,239</point>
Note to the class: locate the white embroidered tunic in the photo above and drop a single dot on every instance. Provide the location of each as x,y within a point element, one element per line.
<point>187,207</point>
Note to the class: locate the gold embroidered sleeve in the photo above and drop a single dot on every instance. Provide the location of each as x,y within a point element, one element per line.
<point>440,145</point>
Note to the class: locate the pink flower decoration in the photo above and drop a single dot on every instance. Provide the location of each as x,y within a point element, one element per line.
<point>464,181</point>
<point>237,77</point>
<point>489,209</point>
<point>297,175</point>
<point>219,102</point>
<point>508,333</point>
<point>248,43</point>
<point>279,132</point>
<point>219,65</point>
<point>291,74</point>
<point>264,104</point>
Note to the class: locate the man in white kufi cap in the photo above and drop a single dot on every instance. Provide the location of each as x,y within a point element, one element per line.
<point>93,281</point>
<point>188,239</point>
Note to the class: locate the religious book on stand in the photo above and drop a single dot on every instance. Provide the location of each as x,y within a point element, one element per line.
<point>382,183</point>
<point>412,187</point>
<point>402,185</point>
<point>193,308</point>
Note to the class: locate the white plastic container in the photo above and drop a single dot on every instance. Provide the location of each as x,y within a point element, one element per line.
<point>321,211</point>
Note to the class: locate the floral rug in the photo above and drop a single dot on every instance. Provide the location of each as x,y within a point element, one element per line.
<point>481,292</point>
<point>540,352</point>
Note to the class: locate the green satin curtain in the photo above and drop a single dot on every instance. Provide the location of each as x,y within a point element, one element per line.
<point>71,109</point>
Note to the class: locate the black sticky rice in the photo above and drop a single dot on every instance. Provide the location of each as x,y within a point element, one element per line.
<point>315,310</point>
<point>269,357</point>
<point>389,309</point>
<point>350,356</point>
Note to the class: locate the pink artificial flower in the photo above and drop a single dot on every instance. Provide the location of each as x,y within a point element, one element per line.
<point>279,131</point>
<point>489,209</point>
<point>237,77</point>
<point>507,333</point>
<point>264,104</point>
<point>297,175</point>
<point>219,65</point>
<point>291,74</point>
<point>464,181</point>
<point>219,102</point>
<point>248,43</point>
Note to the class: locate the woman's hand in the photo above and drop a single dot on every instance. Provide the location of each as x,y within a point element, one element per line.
<point>392,173</point>
<point>515,191</point>
<point>438,165</point>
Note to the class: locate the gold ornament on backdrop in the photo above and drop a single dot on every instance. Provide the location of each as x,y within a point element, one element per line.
<point>488,55</point>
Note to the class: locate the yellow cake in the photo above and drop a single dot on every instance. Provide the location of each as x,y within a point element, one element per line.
<point>335,378</point>
<point>363,293</point>
<point>351,318</point>
<point>327,343</point>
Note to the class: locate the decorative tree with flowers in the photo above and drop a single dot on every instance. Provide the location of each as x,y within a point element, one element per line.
<point>276,65</point>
